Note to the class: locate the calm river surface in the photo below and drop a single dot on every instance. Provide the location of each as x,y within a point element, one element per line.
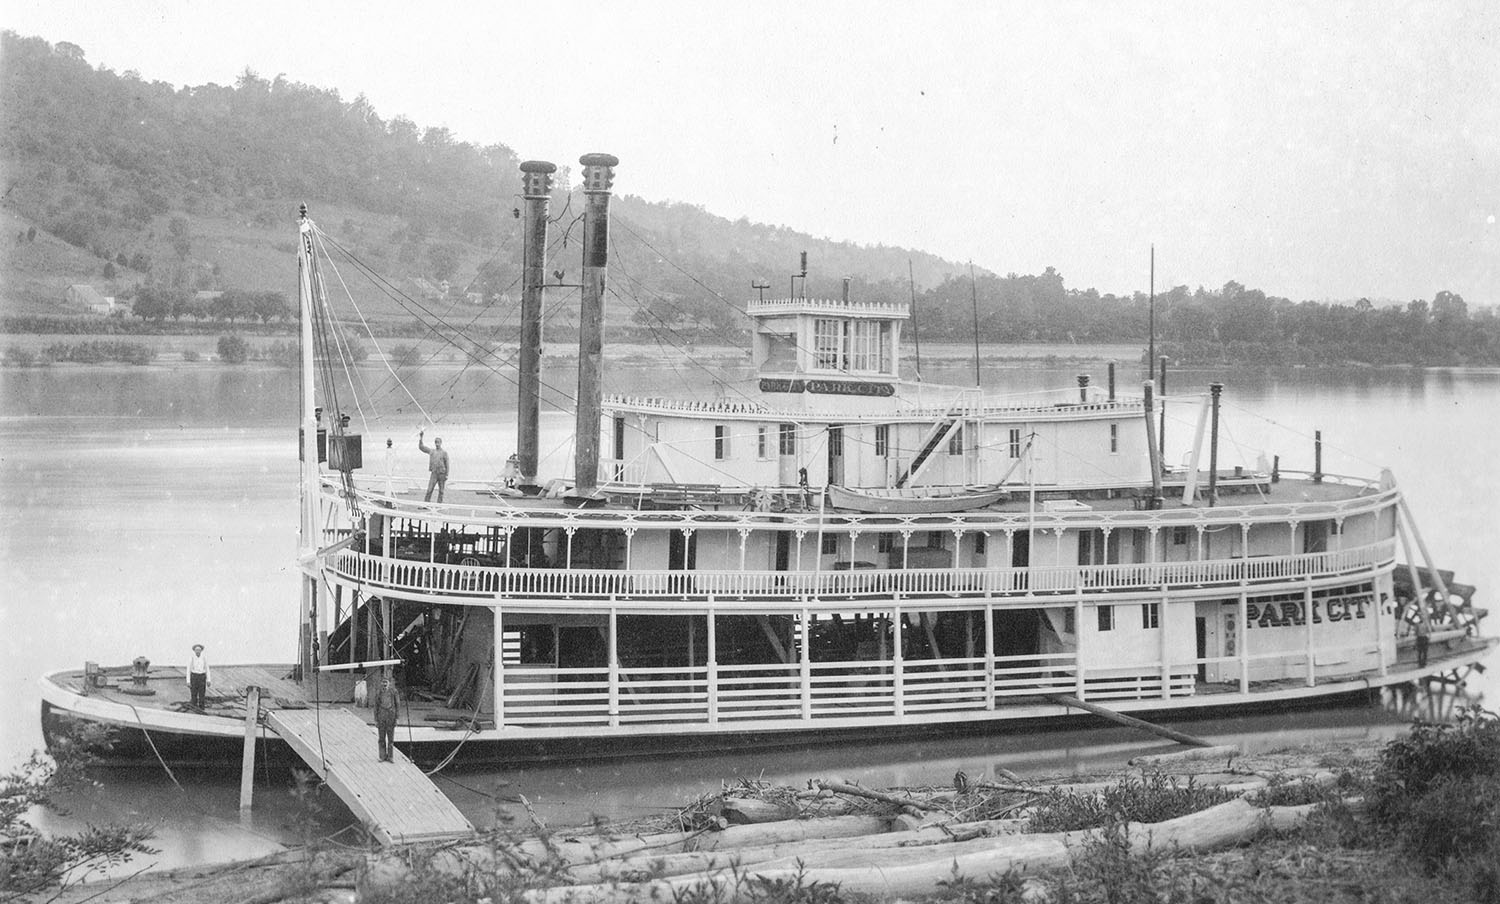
<point>146,509</point>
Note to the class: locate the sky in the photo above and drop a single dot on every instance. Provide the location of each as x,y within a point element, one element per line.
<point>1316,151</point>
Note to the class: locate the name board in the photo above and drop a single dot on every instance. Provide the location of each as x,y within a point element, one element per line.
<point>1283,613</point>
<point>827,387</point>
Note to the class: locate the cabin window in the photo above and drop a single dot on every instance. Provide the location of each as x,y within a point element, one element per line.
<point>956,441</point>
<point>835,440</point>
<point>1070,626</point>
<point>882,439</point>
<point>828,344</point>
<point>788,439</point>
<point>1150,615</point>
<point>885,348</point>
<point>1106,618</point>
<point>830,544</point>
<point>937,539</point>
<point>1015,442</point>
<point>885,542</point>
<point>1114,438</point>
<point>981,543</point>
<point>721,442</point>
<point>865,345</point>
<point>762,442</point>
<point>1179,536</point>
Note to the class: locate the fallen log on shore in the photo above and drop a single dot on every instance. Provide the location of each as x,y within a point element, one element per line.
<point>882,873</point>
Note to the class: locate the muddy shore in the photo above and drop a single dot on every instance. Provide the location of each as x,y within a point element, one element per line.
<point>333,872</point>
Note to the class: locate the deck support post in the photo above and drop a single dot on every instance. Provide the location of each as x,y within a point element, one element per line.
<point>247,759</point>
<point>1242,612</point>
<point>1162,617</point>
<point>1382,666</point>
<point>989,657</point>
<point>713,670</point>
<point>805,666</point>
<point>898,664</point>
<point>1078,648</point>
<point>614,666</point>
<point>1307,627</point>
<point>499,671</point>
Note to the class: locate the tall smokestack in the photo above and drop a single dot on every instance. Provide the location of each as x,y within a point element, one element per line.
<point>536,187</point>
<point>598,176</point>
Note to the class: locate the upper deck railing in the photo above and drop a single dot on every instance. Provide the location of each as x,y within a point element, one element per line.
<point>478,582</point>
<point>769,306</point>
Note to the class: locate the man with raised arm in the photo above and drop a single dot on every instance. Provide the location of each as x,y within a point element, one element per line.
<point>437,465</point>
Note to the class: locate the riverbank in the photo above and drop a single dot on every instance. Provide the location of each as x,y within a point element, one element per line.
<point>1290,825</point>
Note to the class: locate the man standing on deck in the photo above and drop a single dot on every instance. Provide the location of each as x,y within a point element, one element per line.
<point>385,716</point>
<point>197,677</point>
<point>437,466</point>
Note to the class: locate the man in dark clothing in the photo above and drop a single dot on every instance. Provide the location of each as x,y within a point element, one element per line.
<point>385,717</point>
<point>437,466</point>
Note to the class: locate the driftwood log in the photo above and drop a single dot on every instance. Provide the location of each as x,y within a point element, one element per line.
<point>891,872</point>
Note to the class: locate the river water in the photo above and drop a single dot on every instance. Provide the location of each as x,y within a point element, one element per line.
<point>146,509</point>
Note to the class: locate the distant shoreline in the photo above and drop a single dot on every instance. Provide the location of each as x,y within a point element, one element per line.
<point>198,352</point>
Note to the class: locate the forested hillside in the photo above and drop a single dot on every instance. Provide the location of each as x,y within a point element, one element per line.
<point>197,188</point>
<point>153,193</point>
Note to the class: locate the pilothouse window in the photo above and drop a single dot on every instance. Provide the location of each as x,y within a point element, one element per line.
<point>828,344</point>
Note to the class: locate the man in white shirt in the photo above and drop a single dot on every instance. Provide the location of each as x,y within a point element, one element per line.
<point>197,676</point>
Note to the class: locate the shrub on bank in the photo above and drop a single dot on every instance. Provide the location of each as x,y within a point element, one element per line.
<point>99,352</point>
<point>15,356</point>
<point>1437,790</point>
<point>233,350</point>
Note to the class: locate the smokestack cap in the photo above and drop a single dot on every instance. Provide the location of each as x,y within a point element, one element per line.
<point>599,160</point>
<point>538,166</point>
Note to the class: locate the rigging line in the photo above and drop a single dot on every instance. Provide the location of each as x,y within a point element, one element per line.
<point>734,340</point>
<point>354,378</point>
<point>514,381</point>
<point>392,292</point>
<point>378,350</point>
<point>382,284</point>
<point>1299,433</point>
<point>690,358</point>
<point>435,332</point>
<point>624,222</point>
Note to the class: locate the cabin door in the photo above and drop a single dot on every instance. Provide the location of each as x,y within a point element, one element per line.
<point>836,454</point>
<point>619,450</point>
<point>786,446</point>
<point>682,555</point>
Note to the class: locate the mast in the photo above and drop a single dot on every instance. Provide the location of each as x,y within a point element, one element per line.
<point>1151,320</point>
<point>598,176</point>
<point>974,302</point>
<point>307,541</point>
<point>916,336</point>
<point>536,187</point>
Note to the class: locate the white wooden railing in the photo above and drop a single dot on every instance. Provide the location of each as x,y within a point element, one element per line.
<point>776,692</point>
<point>377,573</point>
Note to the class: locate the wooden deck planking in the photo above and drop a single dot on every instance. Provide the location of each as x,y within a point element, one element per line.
<point>395,800</point>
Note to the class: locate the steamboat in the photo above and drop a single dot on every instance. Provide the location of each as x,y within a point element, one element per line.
<point>840,552</point>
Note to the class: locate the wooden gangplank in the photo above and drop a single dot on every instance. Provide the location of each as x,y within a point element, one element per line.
<point>395,800</point>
